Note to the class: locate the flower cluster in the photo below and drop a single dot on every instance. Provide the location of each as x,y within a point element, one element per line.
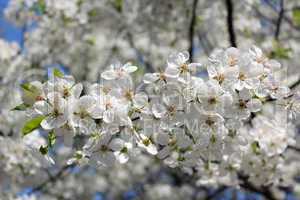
<point>208,125</point>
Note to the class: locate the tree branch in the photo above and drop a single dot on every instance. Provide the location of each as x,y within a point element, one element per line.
<point>279,20</point>
<point>148,65</point>
<point>230,22</point>
<point>52,179</point>
<point>294,85</point>
<point>294,148</point>
<point>192,30</point>
<point>247,185</point>
<point>288,20</point>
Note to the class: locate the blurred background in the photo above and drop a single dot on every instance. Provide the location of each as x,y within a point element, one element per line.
<point>82,38</point>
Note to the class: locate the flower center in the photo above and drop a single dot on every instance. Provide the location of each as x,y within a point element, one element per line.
<point>220,78</point>
<point>232,61</point>
<point>242,104</point>
<point>128,95</point>
<point>39,98</point>
<point>66,92</point>
<point>209,121</point>
<point>184,68</point>
<point>242,76</point>
<point>212,100</point>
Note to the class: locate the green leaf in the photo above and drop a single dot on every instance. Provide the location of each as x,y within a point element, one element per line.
<point>57,73</point>
<point>39,7</point>
<point>296,16</point>
<point>20,107</point>
<point>78,155</point>
<point>118,4</point>
<point>280,52</point>
<point>255,147</point>
<point>27,87</point>
<point>51,138</point>
<point>44,150</point>
<point>32,124</point>
<point>79,2</point>
<point>92,13</point>
<point>91,41</point>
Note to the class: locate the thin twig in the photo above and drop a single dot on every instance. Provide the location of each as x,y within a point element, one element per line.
<point>294,85</point>
<point>279,20</point>
<point>247,185</point>
<point>52,179</point>
<point>148,65</point>
<point>294,148</point>
<point>192,30</point>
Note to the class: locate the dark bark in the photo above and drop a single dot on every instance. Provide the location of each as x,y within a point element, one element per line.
<point>192,30</point>
<point>279,20</point>
<point>230,22</point>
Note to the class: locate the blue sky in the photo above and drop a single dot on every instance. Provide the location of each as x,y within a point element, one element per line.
<point>7,30</point>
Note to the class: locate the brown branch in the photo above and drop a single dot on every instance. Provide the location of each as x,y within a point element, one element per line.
<point>52,179</point>
<point>287,19</point>
<point>294,148</point>
<point>230,22</point>
<point>279,20</point>
<point>148,65</point>
<point>263,190</point>
<point>294,85</point>
<point>192,30</point>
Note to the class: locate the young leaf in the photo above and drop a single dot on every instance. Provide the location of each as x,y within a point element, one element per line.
<point>118,4</point>
<point>57,73</point>
<point>296,16</point>
<point>32,124</point>
<point>20,107</point>
<point>255,147</point>
<point>51,138</point>
<point>28,87</point>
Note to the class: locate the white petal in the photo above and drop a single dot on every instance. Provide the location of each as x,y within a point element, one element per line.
<point>96,112</point>
<point>232,51</point>
<point>158,110</point>
<point>51,122</point>
<point>245,94</point>
<point>172,72</point>
<point>151,148</point>
<point>254,105</point>
<point>140,100</point>
<point>273,65</point>
<point>184,56</point>
<point>76,90</point>
<point>150,78</point>
<point>109,75</point>
<point>212,72</point>
<point>163,138</point>
<point>129,68</point>
<point>107,159</point>
<point>86,102</point>
<point>122,157</point>
<point>108,116</point>
<point>239,85</point>
<point>116,144</point>
<point>252,83</point>
<point>42,107</point>
<point>226,99</point>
